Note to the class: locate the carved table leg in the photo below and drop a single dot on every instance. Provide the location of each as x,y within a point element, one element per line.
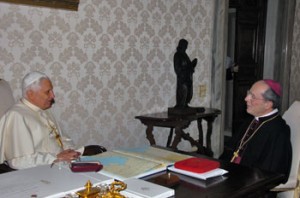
<point>186,136</point>
<point>177,138</point>
<point>210,121</point>
<point>149,134</point>
<point>200,139</point>
<point>170,137</point>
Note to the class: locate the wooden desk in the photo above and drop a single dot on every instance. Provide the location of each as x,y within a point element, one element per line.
<point>240,181</point>
<point>178,122</point>
<point>44,181</point>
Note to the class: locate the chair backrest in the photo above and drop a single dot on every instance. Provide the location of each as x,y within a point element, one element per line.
<point>6,101</point>
<point>292,118</point>
<point>6,97</point>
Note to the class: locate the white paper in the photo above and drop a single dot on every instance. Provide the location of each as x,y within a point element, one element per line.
<point>146,189</point>
<point>43,181</point>
<point>204,176</point>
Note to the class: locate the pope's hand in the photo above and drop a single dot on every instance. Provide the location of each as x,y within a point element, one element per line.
<point>68,155</point>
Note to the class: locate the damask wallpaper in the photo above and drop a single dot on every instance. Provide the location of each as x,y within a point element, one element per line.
<point>295,62</point>
<point>109,62</point>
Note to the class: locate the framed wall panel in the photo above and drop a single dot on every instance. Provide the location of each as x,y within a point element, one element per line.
<point>59,4</point>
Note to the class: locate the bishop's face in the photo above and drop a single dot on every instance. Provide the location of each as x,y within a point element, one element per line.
<point>43,97</point>
<point>256,104</point>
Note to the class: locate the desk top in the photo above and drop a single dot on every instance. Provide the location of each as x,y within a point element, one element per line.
<point>166,116</point>
<point>44,181</point>
<point>240,181</point>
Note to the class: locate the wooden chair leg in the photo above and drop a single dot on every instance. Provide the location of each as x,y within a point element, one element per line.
<point>170,137</point>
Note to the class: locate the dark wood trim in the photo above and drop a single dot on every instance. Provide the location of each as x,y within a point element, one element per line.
<point>233,3</point>
<point>58,4</point>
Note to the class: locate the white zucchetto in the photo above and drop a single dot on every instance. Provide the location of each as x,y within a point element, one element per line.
<point>32,77</point>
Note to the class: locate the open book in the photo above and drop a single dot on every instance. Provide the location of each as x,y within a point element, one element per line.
<point>135,162</point>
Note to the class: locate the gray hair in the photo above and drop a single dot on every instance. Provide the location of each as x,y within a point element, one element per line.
<point>270,95</point>
<point>32,81</point>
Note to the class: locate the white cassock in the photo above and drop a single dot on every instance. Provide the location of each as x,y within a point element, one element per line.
<point>27,137</point>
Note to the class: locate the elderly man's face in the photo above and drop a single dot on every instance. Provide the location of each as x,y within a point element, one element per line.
<point>256,104</point>
<point>43,97</point>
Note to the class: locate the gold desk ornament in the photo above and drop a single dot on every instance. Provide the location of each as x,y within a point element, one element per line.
<point>102,192</point>
<point>114,191</point>
<point>89,191</point>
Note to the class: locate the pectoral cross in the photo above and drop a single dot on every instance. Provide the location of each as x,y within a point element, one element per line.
<point>53,129</point>
<point>57,136</point>
<point>235,156</point>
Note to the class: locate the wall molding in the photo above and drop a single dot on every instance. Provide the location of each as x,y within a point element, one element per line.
<point>58,4</point>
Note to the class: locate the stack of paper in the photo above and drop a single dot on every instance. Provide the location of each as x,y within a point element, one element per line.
<point>204,176</point>
<point>201,168</point>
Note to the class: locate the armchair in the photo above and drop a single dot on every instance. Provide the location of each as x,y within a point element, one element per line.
<point>292,187</point>
<point>6,101</point>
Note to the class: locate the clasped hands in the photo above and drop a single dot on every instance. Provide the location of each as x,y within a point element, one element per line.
<point>67,155</point>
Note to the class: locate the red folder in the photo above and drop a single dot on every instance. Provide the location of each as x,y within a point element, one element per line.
<point>86,166</point>
<point>197,165</point>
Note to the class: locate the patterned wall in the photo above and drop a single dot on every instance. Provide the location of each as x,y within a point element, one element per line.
<point>109,61</point>
<point>295,62</point>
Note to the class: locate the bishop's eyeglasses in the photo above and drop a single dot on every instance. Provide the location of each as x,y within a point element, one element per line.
<point>252,96</point>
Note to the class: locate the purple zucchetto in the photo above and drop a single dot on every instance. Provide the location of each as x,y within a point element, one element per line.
<point>274,85</point>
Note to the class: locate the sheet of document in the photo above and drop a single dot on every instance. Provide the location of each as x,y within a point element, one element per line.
<point>43,181</point>
<point>147,189</point>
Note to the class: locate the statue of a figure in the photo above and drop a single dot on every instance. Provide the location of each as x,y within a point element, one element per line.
<point>184,69</point>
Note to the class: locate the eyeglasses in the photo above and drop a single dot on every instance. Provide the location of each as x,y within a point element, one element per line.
<point>252,96</point>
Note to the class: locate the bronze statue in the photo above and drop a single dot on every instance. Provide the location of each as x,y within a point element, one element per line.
<point>184,69</point>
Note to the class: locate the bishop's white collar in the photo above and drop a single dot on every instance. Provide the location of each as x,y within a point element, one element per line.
<point>268,114</point>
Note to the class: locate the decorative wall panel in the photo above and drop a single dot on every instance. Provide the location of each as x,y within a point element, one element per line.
<point>295,62</point>
<point>59,4</point>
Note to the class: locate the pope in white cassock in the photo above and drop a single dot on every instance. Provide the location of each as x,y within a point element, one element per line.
<point>29,134</point>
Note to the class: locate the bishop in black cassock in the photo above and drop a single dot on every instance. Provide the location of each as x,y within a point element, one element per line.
<point>268,146</point>
<point>269,149</point>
